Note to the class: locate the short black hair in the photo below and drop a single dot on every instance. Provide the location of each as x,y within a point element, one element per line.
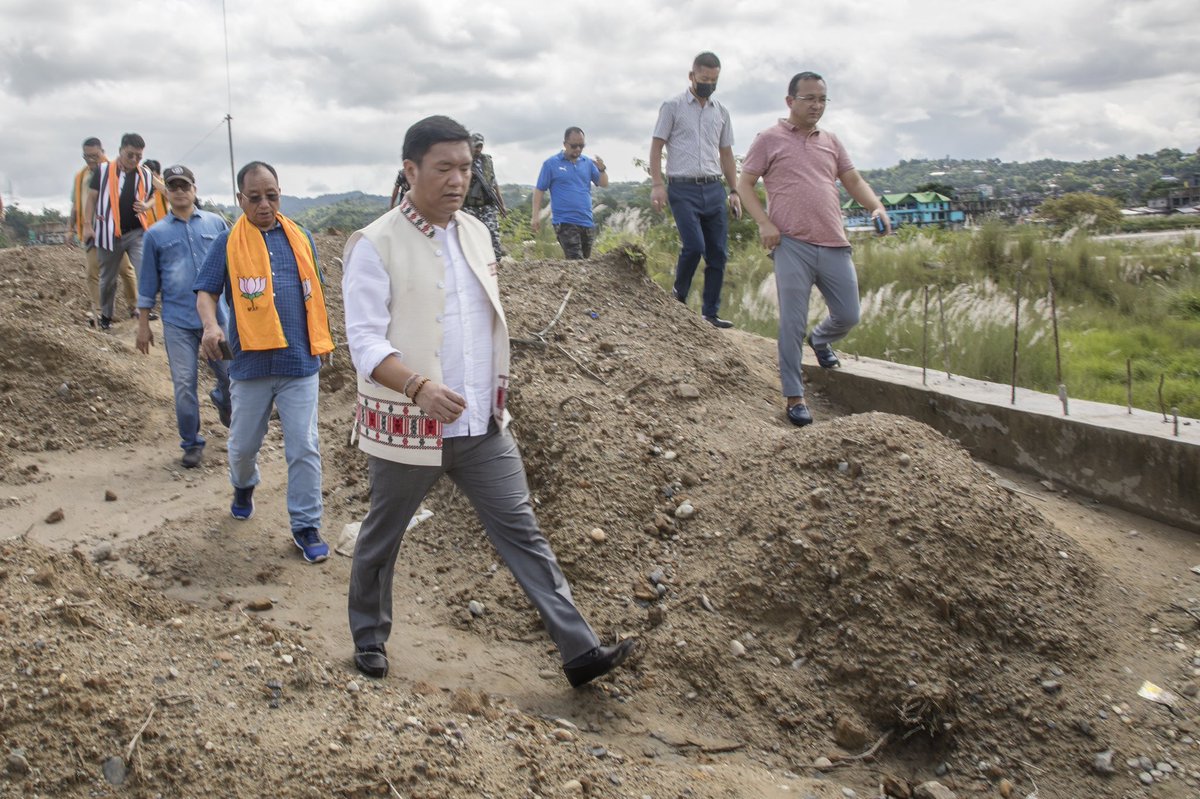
<point>430,131</point>
<point>133,140</point>
<point>250,167</point>
<point>573,129</point>
<point>799,76</point>
<point>92,141</point>
<point>153,166</point>
<point>706,59</point>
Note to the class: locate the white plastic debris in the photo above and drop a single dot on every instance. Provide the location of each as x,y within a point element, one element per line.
<point>349,536</point>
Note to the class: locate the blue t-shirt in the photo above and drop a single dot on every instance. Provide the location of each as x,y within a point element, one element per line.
<point>569,183</point>
<point>173,250</point>
<point>295,360</point>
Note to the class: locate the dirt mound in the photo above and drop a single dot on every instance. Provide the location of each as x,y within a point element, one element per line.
<point>860,584</point>
<point>63,385</point>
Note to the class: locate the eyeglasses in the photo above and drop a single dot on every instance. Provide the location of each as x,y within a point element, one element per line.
<point>812,99</point>
<point>570,146</point>
<point>91,159</point>
<point>256,200</point>
<point>178,186</point>
<point>132,155</point>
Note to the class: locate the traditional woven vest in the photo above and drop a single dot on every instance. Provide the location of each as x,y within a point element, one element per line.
<point>387,423</point>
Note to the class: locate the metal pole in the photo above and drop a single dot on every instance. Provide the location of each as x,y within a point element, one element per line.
<point>1162,406</point>
<point>925,338</point>
<point>942,326</point>
<point>1129,385</point>
<point>1016,337</point>
<point>232,171</point>
<point>1062,388</point>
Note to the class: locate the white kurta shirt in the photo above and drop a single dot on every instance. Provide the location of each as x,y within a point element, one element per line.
<point>466,320</point>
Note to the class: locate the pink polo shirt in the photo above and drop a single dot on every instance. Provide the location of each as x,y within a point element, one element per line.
<point>800,173</point>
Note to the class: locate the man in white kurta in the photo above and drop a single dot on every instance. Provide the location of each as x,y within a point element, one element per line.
<point>429,341</point>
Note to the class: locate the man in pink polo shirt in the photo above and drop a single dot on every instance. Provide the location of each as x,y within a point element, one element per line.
<point>800,165</point>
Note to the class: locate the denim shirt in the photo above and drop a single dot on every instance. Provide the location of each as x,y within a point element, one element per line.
<point>295,360</point>
<point>173,250</point>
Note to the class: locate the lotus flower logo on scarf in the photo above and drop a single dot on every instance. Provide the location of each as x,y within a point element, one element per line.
<point>307,286</point>
<point>252,288</point>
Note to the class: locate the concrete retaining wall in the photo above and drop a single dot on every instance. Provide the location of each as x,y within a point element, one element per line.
<point>1132,461</point>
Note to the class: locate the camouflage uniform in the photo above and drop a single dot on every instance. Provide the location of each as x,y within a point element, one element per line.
<point>479,202</point>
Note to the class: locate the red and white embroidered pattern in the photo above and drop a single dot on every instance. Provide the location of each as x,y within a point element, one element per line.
<point>413,215</point>
<point>395,424</point>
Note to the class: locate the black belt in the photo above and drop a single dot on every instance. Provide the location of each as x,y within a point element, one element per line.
<point>705,179</point>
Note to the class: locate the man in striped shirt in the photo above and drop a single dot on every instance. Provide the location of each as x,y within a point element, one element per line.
<point>93,154</point>
<point>698,136</point>
<point>118,198</point>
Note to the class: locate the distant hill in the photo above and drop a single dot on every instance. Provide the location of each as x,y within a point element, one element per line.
<point>1128,180</point>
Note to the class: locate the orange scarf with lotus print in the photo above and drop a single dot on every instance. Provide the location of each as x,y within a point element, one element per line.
<point>249,266</point>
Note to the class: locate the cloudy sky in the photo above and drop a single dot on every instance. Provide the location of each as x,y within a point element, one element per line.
<point>325,90</point>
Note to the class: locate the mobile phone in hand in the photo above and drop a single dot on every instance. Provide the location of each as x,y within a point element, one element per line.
<point>226,352</point>
<point>880,225</point>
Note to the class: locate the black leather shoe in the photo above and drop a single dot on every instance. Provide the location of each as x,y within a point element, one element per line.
<point>598,662</point>
<point>825,355</point>
<point>371,660</point>
<point>717,321</point>
<point>799,415</point>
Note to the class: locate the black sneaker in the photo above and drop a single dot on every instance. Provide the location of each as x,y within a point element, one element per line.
<point>192,457</point>
<point>825,355</point>
<point>718,322</point>
<point>105,323</point>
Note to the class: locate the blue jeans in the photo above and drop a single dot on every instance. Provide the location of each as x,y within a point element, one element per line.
<point>183,356</point>
<point>296,400</point>
<point>702,218</point>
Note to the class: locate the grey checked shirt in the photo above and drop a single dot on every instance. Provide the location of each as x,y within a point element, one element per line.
<point>694,135</point>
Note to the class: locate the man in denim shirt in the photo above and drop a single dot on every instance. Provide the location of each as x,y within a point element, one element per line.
<point>172,251</point>
<point>278,331</point>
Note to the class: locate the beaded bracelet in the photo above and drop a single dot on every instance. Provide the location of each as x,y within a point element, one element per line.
<point>420,386</point>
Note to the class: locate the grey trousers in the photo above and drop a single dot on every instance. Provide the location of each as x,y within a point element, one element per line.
<point>798,266</point>
<point>489,471</point>
<point>110,264</point>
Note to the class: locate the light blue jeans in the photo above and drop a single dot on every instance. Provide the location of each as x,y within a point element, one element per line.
<point>296,400</point>
<point>183,356</point>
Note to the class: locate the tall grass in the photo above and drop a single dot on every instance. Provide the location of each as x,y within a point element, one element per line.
<point>1116,300</point>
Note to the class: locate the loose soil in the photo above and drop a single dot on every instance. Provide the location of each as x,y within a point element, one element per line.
<point>856,606</point>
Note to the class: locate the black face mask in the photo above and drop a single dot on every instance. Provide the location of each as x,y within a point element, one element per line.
<point>705,89</point>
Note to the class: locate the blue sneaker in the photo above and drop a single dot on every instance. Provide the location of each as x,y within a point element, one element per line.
<point>309,541</point>
<point>242,507</point>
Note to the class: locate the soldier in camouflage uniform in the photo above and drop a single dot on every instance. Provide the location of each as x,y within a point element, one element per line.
<point>484,201</point>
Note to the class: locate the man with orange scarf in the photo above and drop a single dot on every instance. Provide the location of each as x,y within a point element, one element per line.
<point>266,266</point>
<point>118,197</point>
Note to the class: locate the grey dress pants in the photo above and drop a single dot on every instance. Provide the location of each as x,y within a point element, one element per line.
<point>489,470</point>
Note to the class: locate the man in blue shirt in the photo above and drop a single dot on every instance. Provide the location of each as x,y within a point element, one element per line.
<point>172,251</point>
<point>568,177</point>
<point>278,332</point>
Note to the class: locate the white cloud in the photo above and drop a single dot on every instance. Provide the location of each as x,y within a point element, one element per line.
<point>326,90</point>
